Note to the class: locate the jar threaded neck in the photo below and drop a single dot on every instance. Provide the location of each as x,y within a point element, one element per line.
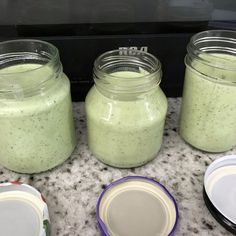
<point>213,43</point>
<point>27,80</point>
<point>144,68</point>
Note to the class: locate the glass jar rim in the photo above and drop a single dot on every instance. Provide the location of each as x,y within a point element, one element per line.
<point>53,59</point>
<point>157,63</point>
<point>212,33</point>
<point>223,36</point>
<point>146,66</point>
<point>23,52</point>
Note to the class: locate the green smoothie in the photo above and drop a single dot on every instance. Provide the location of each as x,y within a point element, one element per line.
<point>209,103</point>
<point>125,132</point>
<point>36,123</point>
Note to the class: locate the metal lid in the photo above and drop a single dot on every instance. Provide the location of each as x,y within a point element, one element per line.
<point>134,206</point>
<point>220,191</point>
<point>23,211</point>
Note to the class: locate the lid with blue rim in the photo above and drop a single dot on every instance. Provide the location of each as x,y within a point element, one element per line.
<point>135,206</point>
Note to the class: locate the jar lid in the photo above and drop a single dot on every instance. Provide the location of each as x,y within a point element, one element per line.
<point>23,211</point>
<point>220,191</point>
<point>136,205</point>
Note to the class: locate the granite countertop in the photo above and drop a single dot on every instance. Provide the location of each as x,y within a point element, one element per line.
<point>72,189</point>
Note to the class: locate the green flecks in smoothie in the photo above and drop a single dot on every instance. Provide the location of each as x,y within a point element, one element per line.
<point>125,133</point>
<point>209,105</point>
<point>40,131</point>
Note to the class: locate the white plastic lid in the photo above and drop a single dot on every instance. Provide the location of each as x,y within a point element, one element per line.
<point>22,211</point>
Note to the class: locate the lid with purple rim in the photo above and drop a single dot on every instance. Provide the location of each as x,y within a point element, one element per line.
<point>219,191</point>
<point>136,205</point>
<point>24,211</point>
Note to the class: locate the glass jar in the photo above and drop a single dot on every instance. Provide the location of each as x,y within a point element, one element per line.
<point>126,108</point>
<point>208,109</point>
<point>36,123</point>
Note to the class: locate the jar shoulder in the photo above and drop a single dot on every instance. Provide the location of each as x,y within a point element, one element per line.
<point>151,106</point>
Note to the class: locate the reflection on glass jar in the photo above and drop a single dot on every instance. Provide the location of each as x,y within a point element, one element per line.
<point>126,108</point>
<point>209,105</point>
<point>36,124</point>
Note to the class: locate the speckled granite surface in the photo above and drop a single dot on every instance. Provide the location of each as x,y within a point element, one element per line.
<point>72,189</point>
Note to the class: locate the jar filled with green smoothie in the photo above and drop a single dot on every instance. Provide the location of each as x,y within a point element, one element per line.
<point>126,108</point>
<point>208,111</point>
<point>36,124</point>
